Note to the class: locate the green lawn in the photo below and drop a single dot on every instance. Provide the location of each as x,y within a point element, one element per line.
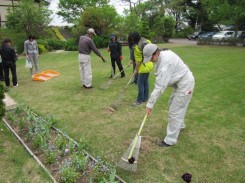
<point>211,148</point>
<point>16,165</point>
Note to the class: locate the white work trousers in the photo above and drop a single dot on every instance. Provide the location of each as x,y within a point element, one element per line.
<point>178,105</point>
<point>85,69</point>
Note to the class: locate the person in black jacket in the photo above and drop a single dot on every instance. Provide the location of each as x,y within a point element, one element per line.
<point>9,58</point>
<point>115,49</point>
<point>1,70</point>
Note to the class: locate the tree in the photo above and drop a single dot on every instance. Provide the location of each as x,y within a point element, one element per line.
<point>232,11</point>
<point>71,10</point>
<point>29,18</point>
<point>176,8</point>
<point>128,24</point>
<point>102,19</point>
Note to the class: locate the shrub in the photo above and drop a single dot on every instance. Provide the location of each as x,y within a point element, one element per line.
<point>41,48</point>
<point>71,45</point>
<point>184,33</point>
<point>101,41</point>
<point>168,28</point>
<point>56,44</point>
<point>18,39</point>
<point>45,43</point>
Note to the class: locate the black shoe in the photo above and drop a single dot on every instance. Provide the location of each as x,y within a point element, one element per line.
<point>122,76</point>
<point>87,87</point>
<point>110,76</point>
<point>163,144</point>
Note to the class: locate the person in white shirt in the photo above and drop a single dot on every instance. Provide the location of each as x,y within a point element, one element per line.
<point>170,70</point>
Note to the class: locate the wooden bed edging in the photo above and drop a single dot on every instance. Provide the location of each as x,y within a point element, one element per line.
<point>118,178</point>
<point>30,152</point>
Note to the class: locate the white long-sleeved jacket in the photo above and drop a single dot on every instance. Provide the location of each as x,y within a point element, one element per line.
<point>169,69</point>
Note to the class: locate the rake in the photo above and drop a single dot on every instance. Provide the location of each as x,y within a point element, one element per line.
<point>130,157</point>
<point>118,101</point>
<point>108,84</point>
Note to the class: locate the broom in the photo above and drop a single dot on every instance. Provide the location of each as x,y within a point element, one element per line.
<point>117,102</point>
<point>129,159</point>
<point>108,84</point>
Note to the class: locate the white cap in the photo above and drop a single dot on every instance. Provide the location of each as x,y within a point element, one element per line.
<point>148,50</point>
<point>91,30</point>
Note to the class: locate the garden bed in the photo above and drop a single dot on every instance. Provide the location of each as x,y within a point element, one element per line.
<point>65,159</point>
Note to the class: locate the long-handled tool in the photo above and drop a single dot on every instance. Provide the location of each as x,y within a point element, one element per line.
<point>107,85</point>
<point>117,102</point>
<point>129,159</point>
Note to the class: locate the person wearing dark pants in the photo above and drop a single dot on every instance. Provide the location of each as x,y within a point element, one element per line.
<point>141,69</point>
<point>12,67</point>
<point>9,59</point>
<point>143,86</point>
<point>1,71</point>
<point>115,49</point>
<point>132,60</point>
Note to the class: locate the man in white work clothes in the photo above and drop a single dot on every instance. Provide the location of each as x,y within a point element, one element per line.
<point>171,71</point>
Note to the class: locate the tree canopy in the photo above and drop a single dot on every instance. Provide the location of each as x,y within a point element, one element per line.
<point>28,17</point>
<point>71,10</point>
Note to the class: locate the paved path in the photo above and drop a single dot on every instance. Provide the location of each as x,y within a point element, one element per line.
<point>9,102</point>
<point>183,41</point>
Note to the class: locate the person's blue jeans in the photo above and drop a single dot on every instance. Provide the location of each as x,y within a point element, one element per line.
<point>143,87</point>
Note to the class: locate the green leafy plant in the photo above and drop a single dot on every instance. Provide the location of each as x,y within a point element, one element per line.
<point>112,178</point>
<point>61,142</point>
<point>71,145</point>
<point>41,48</point>
<point>102,169</point>
<point>68,172</point>
<point>22,123</point>
<point>50,156</point>
<point>80,162</point>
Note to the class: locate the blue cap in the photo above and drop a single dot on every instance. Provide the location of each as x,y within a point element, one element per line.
<point>113,35</point>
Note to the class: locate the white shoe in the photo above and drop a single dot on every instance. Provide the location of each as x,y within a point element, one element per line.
<point>16,85</point>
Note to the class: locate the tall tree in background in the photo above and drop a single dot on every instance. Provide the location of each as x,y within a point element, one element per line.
<point>102,19</point>
<point>227,11</point>
<point>129,24</point>
<point>71,10</point>
<point>29,18</point>
<point>175,9</point>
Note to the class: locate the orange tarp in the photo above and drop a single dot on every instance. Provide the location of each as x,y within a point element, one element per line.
<point>45,75</point>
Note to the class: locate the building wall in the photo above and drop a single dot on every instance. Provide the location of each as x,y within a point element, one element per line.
<point>4,4</point>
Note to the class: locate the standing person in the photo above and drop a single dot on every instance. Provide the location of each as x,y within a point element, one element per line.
<point>9,58</point>
<point>142,69</point>
<point>85,46</point>
<point>170,71</point>
<point>1,69</point>
<point>32,53</point>
<point>115,49</point>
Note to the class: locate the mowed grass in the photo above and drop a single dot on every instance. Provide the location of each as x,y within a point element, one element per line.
<point>16,165</point>
<point>211,147</point>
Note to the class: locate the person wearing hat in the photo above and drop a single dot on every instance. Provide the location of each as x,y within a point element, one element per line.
<point>171,71</point>
<point>141,69</point>
<point>115,49</point>
<point>85,46</point>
